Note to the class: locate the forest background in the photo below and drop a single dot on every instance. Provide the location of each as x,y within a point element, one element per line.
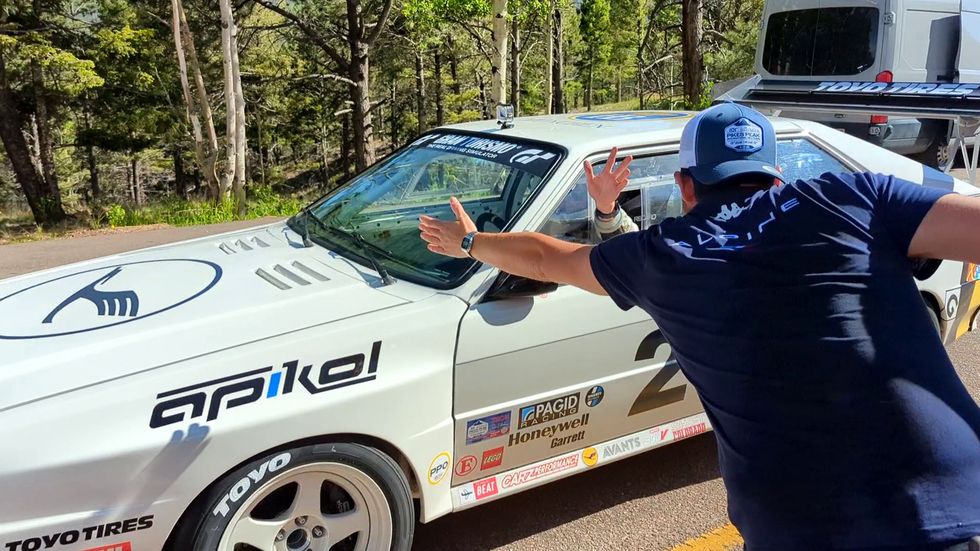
<point>125,112</point>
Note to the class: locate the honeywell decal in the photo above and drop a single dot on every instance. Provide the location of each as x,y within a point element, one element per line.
<point>553,432</point>
<point>517,155</point>
<point>210,398</point>
<point>949,89</point>
<point>89,533</point>
<point>253,477</point>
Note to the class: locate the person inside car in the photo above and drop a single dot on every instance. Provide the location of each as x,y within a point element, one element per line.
<point>840,420</point>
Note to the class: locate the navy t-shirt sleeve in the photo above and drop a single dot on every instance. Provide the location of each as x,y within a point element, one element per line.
<point>902,205</point>
<point>618,265</point>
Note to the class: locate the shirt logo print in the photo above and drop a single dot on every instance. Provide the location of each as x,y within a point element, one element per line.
<point>729,213</point>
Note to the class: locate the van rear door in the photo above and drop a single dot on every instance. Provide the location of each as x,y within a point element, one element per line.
<point>968,64</point>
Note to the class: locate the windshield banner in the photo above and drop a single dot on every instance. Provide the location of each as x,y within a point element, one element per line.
<point>524,157</point>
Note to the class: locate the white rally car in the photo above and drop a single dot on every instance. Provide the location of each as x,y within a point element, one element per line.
<point>305,385</point>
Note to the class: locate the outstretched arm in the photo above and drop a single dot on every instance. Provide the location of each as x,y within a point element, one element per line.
<point>950,231</point>
<point>526,254</point>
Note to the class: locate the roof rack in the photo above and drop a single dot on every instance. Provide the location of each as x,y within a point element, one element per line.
<point>956,102</point>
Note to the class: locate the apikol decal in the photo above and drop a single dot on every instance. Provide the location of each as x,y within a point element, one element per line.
<point>210,398</point>
<point>900,88</point>
<point>244,485</point>
<point>104,297</point>
<point>549,410</point>
<point>552,432</point>
<point>487,427</point>
<point>70,537</point>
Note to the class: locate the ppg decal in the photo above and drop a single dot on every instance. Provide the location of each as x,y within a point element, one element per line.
<point>104,297</point>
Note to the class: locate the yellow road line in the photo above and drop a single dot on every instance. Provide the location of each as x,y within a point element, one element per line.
<point>725,538</point>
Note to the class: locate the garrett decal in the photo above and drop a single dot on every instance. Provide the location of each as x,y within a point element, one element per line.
<point>549,410</point>
<point>215,396</point>
<point>243,486</point>
<point>70,537</point>
<point>439,467</point>
<point>465,465</point>
<point>104,297</point>
<point>551,431</point>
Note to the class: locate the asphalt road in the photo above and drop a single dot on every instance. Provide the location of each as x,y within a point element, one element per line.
<point>655,501</point>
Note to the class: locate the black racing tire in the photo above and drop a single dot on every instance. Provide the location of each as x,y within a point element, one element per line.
<point>354,487</point>
<point>934,318</point>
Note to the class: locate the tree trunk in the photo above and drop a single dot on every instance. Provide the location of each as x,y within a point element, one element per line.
<point>549,46</point>
<point>180,178</point>
<point>260,149</point>
<point>419,92</point>
<point>437,77</point>
<point>394,115</point>
<point>345,145</point>
<point>44,138</point>
<point>454,65</point>
<point>558,69</point>
<point>137,183</point>
<point>238,185</point>
<point>46,208</point>
<point>588,83</point>
<point>498,70</point>
<point>190,107</point>
<point>691,33</point>
<point>231,109</point>
<point>324,152</point>
<point>361,109</point>
<point>93,172</point>
<point>209,168</point>
<point>484,99</point>
<point>515,66</point>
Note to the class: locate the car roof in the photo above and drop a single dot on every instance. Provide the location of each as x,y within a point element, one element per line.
<point>583,133</point>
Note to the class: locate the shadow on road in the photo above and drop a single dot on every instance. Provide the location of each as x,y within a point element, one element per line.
<point>516,517</point>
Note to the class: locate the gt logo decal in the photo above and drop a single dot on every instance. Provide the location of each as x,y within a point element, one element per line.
<point>653,395</point>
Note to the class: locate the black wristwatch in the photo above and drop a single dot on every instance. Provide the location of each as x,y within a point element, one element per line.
<point>612,215</point>
<point>467,243</point>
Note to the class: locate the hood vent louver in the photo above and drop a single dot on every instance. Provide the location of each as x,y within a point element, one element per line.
<point>242,245</point>
<point>290,275</point>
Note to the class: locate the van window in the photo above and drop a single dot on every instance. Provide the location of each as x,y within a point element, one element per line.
<point>825,41</point>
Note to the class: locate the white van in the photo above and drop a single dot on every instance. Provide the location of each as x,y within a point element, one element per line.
<point>874,40</point>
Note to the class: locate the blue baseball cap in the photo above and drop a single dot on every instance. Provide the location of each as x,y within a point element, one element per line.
<point>728,140</point>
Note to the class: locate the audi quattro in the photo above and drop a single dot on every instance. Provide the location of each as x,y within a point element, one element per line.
<point>309,384</point>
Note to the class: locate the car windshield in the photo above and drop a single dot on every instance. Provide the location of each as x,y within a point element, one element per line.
<point>493,177</point>
<point>821,42</point>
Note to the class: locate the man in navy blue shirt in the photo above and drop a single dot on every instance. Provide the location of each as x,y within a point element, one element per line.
<point>793,310</point>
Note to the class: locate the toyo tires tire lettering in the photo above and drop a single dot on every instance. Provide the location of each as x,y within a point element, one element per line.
<point>653,395</point>
<point>205,525</point>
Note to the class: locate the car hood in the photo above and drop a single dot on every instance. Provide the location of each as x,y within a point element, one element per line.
<point>85,323</point>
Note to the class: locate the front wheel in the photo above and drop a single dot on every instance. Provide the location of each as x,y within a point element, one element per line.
<point>327,497</point>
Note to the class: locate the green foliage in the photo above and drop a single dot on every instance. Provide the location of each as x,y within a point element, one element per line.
<point>176,212</point>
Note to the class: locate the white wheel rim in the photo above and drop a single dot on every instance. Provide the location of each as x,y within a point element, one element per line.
<point>302,526</point>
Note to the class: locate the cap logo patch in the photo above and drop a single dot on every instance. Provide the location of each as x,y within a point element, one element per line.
<point>743,136</point>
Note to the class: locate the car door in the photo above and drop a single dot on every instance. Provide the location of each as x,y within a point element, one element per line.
<point>540,374</point>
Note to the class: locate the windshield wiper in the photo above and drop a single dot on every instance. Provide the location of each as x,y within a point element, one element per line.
<point>366,247</point>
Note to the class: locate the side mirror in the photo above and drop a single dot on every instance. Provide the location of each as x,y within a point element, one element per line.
<point>512,286</point>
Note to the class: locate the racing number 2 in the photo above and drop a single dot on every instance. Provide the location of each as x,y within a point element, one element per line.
<point>653,395</point>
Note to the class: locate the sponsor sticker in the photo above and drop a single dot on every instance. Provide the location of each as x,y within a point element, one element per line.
<point>900,88</point>
<point>517,155</point>
<point>552,432</point>
<point>594,396</point>
<point>124,546</point>
<point>743,136</point>
<point>548,411</point>
<point>689,431</point>
<point>487,427</point>
<point>439,467</point>
<point>590,456</point>
<point>972,273</point>
<point>621,446</point>
<point>537,472</point>
<point>492,458</point>
<point>71,537</point>
<point>465,465</point>
<point>467,495</point>
<point>485,488</point>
